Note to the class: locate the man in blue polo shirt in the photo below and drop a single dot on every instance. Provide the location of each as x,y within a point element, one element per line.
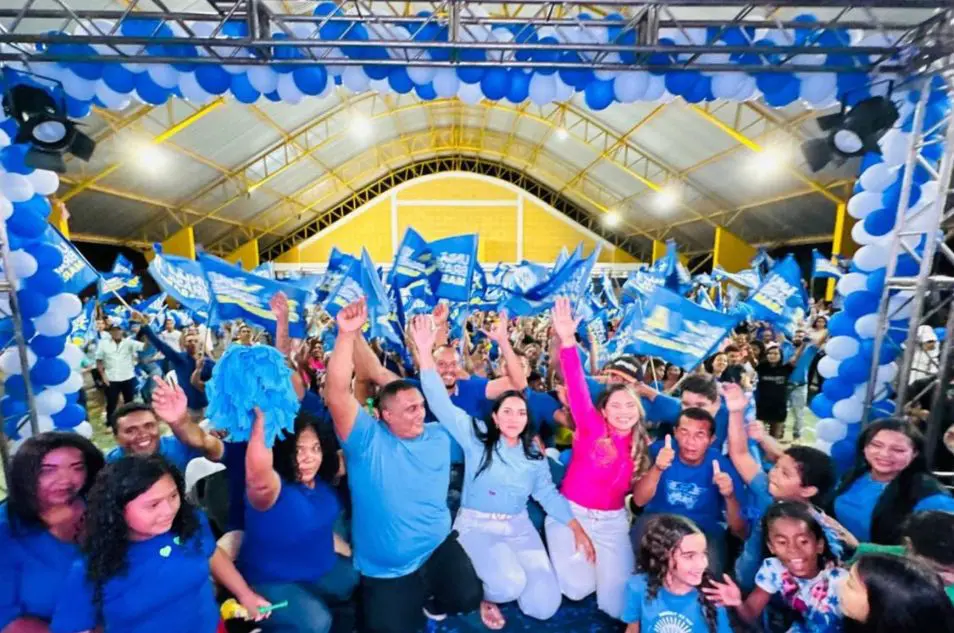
<point>798,381</point>
<point>398,473</point>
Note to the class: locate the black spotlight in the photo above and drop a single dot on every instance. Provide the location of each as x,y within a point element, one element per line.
<point>851,133</point>
<point>44,125</point>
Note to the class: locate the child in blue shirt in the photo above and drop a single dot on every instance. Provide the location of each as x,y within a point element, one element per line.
<point>664,595</point>
<point>148,556</point>
<point>41,522</point>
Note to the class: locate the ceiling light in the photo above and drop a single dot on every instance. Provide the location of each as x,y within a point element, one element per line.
<point>360,127</point>
<point>150,156</point>
<point>770,160</point>
<point>851,133</point>
<point>667,197</point>
<point>562,134</point>
<point>611,218</point>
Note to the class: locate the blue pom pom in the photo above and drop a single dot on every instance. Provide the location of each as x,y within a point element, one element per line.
<point>249,377</point>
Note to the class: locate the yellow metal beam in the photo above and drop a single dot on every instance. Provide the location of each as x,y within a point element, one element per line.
<point>156,140</point>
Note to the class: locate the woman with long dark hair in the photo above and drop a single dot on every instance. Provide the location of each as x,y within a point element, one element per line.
<point>503,468</point>
<point>41,523</point>
<point>288,551</point>
<point>148,556</point>
<point>895,594</point>
<point>888,482</point>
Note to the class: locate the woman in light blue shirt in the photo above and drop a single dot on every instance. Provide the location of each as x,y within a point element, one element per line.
<point>503,468</point>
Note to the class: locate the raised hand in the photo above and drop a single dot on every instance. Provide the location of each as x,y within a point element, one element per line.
<point>722,480</point>
<point>563,322</point>
<point>424,335</point>
<point>756,430</point>
<point>169,402</point>
<point>440,313</point>
<point>352,317</point>
<point>499,331</point>
<point>724,594</point>
<point>279,305</point>
<point>666,455</point>
<point>735,398</point>
<point>258,457</point>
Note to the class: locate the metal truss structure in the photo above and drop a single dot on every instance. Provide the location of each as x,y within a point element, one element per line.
<point>912,232</point>
<point>914,38</point>
<point>452,129</point>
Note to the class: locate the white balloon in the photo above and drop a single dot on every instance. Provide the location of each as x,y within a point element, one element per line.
<point>828,367</point>
<point>564,91</point>
<point>288,90</point>
<point>380,86</point>
<point>44,423</point>
<point>6,207</point>
<point>852,282</point>
<point>887,373</point>
<point>164,75</point>
<point>823,446</point>
<point>878,177</point>
<point>842,347</point>
<point>44,182</point>
<point>110,98</point>
<point>72,355</point>
<point>894,146</point>
<point>191,90</point>
<point>863,203</point>
<point>52,324</point>
<point>726,85</point>
<point>49,402</point>
<point>630,86</point>
<point>542,89</point>
<point>861,391</point>
<point>655,89</point>
<point>354,79</point>
<point>867,326</point>
<point>263,79</point>
<point>16,187</point>
<point>85,429</point>
<point>23,264</point>
<point>818,89</point>
<point>4,139</point>
<point>77,87</point>
<point>470,94</point>
<point>71,385</point>
<point>900,306</point>
<point>66,304</point>
<point>928,192</point>
<point>848,410</point>
<point>830,430</point>
<point>10,361</point>
<point>421,75</point>
<point>859,235</point>
<point>871,257</point>
<point>446,83</point>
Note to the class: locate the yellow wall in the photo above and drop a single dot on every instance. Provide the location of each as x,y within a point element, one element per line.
<point>181,243</point>
<point>454,204</point>
<point>245,255</point>
<point>659,249</point>
<point>841,243</point>
<point>731,252</point>
<point>60,217</point>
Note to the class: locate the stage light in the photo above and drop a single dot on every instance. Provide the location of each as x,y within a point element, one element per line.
<point>770,160</point>
<point>43,123</point>
<point>562,134</point>
<point>851,133</point>
<point>360,127</point>
<point>150,156</point>
<point>611,218</point>
<point>667,197</point>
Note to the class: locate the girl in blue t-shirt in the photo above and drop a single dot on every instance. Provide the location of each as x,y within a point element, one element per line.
<point>148,556</point>
<point>664,594</point>
<point>41,523</point>
<point>888,482</point>
<point>801,571</point>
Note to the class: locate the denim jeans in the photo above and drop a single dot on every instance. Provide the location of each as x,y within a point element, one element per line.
<point>320,606</point>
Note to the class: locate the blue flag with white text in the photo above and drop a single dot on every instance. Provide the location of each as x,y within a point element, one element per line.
<point>455,258</point>
<point>823,268</point>
<point>781,299</point>
<point>182,279</point>
<point>76,272</point>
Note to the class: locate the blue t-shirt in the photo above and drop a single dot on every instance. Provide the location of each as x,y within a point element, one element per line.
<point>688,490</point>
<point>166,588</point>
<point>668,612</point>
<point>758,501</point>
<point>174,451</point>
<point>399,496</point>
<point>541,406</point>
<point>800,372</point>
<point>34,565</point>
<point>292,541</point>
<point>855,507</point>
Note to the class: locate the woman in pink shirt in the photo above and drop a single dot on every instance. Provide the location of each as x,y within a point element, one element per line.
<point>610,450</point>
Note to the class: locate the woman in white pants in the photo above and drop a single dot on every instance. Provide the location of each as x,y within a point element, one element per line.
<point>609,452</point>
<point>503,469</point>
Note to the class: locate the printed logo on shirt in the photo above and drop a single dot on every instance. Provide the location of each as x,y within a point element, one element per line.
<point>683,493</point>
<point>672,622</point>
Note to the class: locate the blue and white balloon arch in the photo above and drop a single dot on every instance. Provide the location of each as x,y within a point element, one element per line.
<point>113,84</point>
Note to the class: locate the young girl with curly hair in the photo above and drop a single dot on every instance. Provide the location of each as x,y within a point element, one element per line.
<point>665,594</point>
<point>148,555</point>
<point>609,454</point>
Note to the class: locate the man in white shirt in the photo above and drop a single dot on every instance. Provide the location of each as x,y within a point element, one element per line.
<point>116,359</point>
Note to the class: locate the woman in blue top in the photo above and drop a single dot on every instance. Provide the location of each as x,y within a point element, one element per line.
<point>889,481</point>
<point>40,525</point>
<point>148,555</point>
<point>288,551</point>
<point>503,469</point>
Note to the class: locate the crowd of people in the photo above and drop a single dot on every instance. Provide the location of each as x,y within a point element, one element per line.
<point>511,463</point>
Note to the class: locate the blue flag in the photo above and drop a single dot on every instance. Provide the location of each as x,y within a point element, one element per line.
<point>703,299</point>
<point>265,269</point>
<point>240,294</point>
<point>413,277</point>
<point>781,299</point>
<point>571,281</point>
<point>76,272</point>
<point>84,325</point>
<point>122,266</point>
<point>675,276</point>
<point>339,264</point>
<point>455,258</point>
<point>348,288</point>
<point>152,307</point>
<point>641,285</point>
<point>182,279</point>
<point>748,278</point>
<point>677,330</point>
<point>823,268</point>
<point>521,278</point>
<point>610,300</point>
<point>380,321</point>
<point>762,261</point>
<point>111,284</point>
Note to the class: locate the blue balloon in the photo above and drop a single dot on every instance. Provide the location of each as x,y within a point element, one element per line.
<point>854,370</point>
<point>48,346</point>
<point>26,224</point>
<point>880,222</point>
<point>90,71</point>
<point>837,389</point>
<point>471,74</point>
<point>576,77</point>
<point>525,35</point>
<point>841,324</point>
<point>13,159</point>
<point>50,371</point>
<point>869,160</point>
<point>70,416</point>
<point>149,91</point>
<point>681,82</point>
<point>77,109</point>
<point>242,90</point>
<point>324,9</point>
<point>377,72</point>
<point>802,35</point>
<point>518,90</point>
<point>599,94</point>
<point>853,87</point>
<point>46,282</point>
<point>15,386</point>
<point>9,126</point>
<point>547,56</point>
<point>785,94</point>
<point>889,352</point>
<point>357,33</point>
<point>11,407</point>
<point>906,266</point>
<point>843,454</point>
<point>495,83</point>
<point>399,80</point>
<point>311,80</point>
<point>32,303</point>
<point>882,409</point>
<point>288,52</point>
<point>861,302</point>
<point>273,96</point>
<point>891,197</point>
<point>821,406</point>
<point>875,281</point>
<point>37,204</point>
<point>425,92</point>
<point>213,79</point>
<point>701,91</point>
